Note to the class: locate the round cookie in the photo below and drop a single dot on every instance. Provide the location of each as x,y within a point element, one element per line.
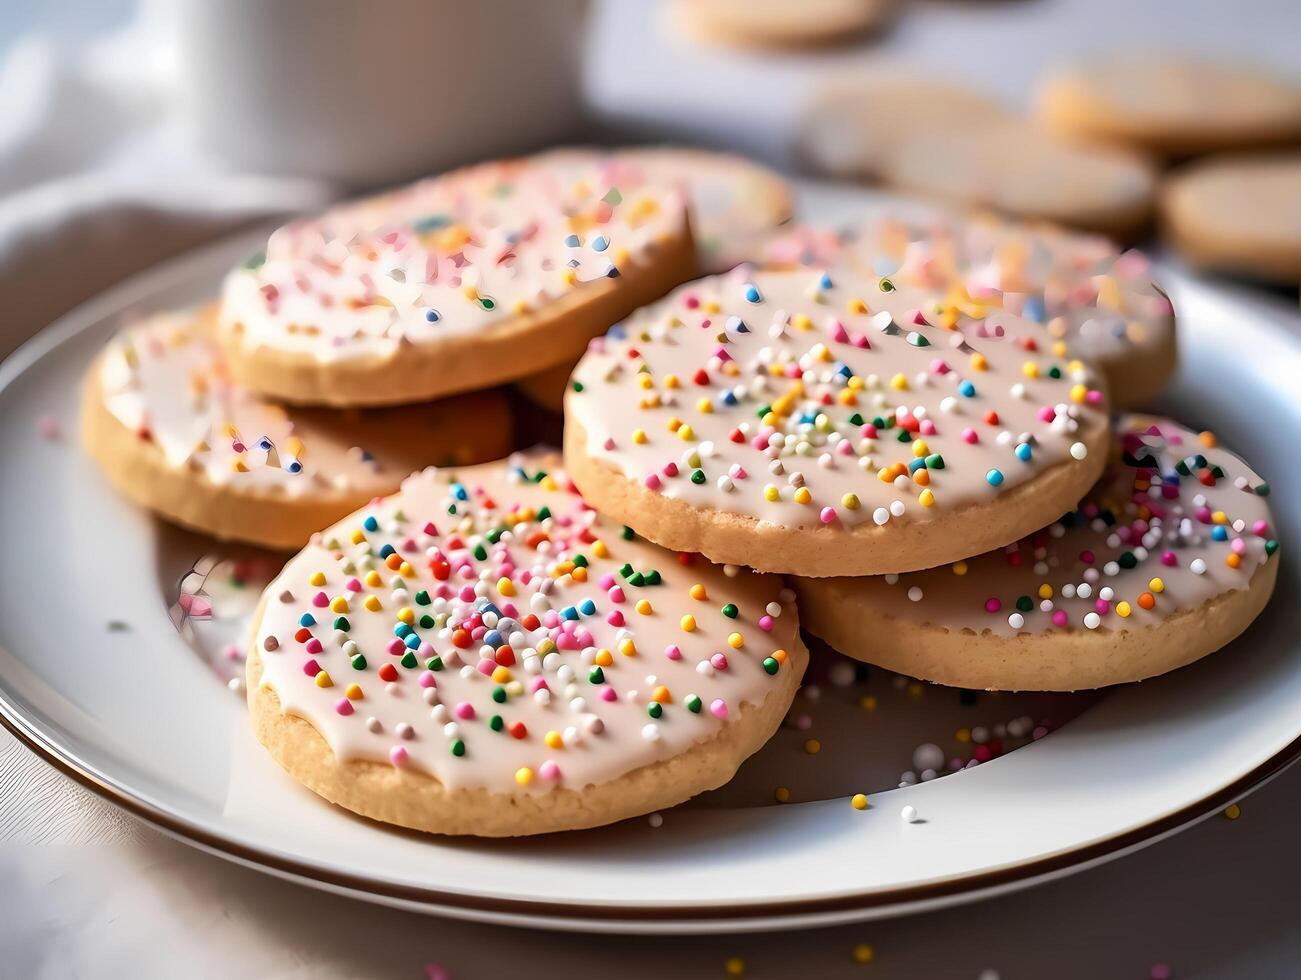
<point>1167,559</point>
<point>482,653</point>
<point>816,423</point>
<point>735,205</point>
<point>1239,214</point>
<point>1171,105</point>
<point>455,283</point>
<point>164,421</point>
<point>1103,303</point>
<point>779,23</point>
<point>952,144</point>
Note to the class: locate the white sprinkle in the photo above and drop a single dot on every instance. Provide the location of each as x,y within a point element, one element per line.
<point>880,515</point>
<point>1092,620</point>
<point>915,593</point>
<point>1079,450</point>
<point>1197,566</point>
<point>908,814</point>
<point>1016,620</point>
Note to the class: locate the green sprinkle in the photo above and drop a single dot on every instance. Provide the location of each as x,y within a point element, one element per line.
<point>1271,546</point>
<point>255,261</point>
<point>637,579</point>
<point>730,611</point>
<point>544,513</point>
<point>771,665</point>
<point>856,419</point>
<point>1025,603</point>
<point>1054,372</point>
<point>422,598</point>
<point>359,662</point>
<point>426,622</point>
<point>576,385</point>
<point>625,569</point>
<point>697,477</point>
<point>580,561</point>
<point>458,747</point>
<point>1262,490</point>
<point>499,695</point>
<point>496,723</point>
<point>653,577</point>
<point>654,709</point>
<point>596,675</point>
<point>887,286</point>
<point>341,623</point>
<point>480,552</point>
<point>628,533</point>
<point>1127,560</point>
<point>409,660</point>
<point>434,663</point>
<point>694,704</point>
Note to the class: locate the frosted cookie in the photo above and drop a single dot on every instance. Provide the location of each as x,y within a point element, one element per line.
<point>779,23</point>
<point>735,205</point>
<point>953,144</point>
<point>1239,214</point>
<point>482,653</point>
<point>172,431</point>
<point>456,283</point>
<point>818,423</point>
<point>1171,105</point>
<point>1167,559</point>
<point>1102,303</point>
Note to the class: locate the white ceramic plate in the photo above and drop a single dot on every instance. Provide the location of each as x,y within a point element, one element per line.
<point>96,677</point>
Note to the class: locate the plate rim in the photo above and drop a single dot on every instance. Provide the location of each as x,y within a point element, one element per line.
<point>662,917</point>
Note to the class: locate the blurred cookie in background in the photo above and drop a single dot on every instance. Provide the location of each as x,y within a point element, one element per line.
<point>953,144</point>
<point>1173,106</point>
<point>779,23</point>
<point>1238,214</point>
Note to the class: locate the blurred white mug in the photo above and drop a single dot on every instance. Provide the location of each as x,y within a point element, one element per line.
<point>372,91</point>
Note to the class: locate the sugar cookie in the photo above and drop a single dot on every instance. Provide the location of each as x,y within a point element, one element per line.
<point>1167,559</point>
<point>484,654</point>
<point>1103,303</point>
<point>779,23</point>
<point>1239,214</point>
<point>818,423</point>
<point>1171,105</point>
<point>456,283</point>
<point>171,430</point>
<point>958,146</point>
<point>735,205</point>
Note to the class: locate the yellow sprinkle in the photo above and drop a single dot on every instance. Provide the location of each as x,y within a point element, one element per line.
<point>813,746</point>
<point>899,383</point>
<point>1045,591</point>
<point>686,433</point>
<point>802,321</point>
<point>803,496</point>
<point>689,623</point>
<point>505,586</point>
<point>407,614</point>
<point>1233,811</point>
<point>735,641</point>
<point>554,741</point>
<point>1156,585</point>
<point>857,306</point>
<point>407,569</point>
<point>339,604</point>
<point>671,381</point>
<point>735,967</point>
<point>850,501</point>
<point>1030,369</point>
<point>373,579</point>
<point>962,735</point>
<point>358,537</point>
<point>603,658</point>
<point>646,381</point>
<point>353,693</point>
<point>323,679</point>
<point>1219,517</point>
<point>926,498</point>
<point>781,794</point>
<point>1122,609</point>
<point>858,801</point>
<point>318,578</point>
<point>644,607</point>
<point>600,550</point>
<point>979,362</point>
<point>863,953</point>
<point>705,407</point>
<point>698,592</point>
<point>501,675</point>
<point>523,775</point>
<point>960,568</point>
<point>920,448</point>
<point>627,647</point>
<point>1079,393</point>
<point>239,466</point>
<point>771,493</point>
<point>867,702</point>
<point>639,436</point>
<point>373,603</point>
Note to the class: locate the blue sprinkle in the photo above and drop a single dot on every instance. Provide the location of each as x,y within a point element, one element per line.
<point>387,550</point>
<point>613,273</point>
<point>1219,533</point>
<point>402,630</point>
<point>617,332</point>
<point>370,524</point>
<point>367,456</point>
<point>1033,309</point>
<point>916,464</point>
<point>752,294</point>
<point>573,241</point>
<point>967,389</point>
<point>294,466</point>
<point>432,316</point>
<point>994,477</point>
<point>729,398</point>
<point>459,492</point>
<point>412,641</point>
<point>600,243</point>
<point>824,282</point>
<point>264,444</point>
<point>1023,452</point>
<point>588,607</point>
<point>570,613</point>
<point>493,639</point>
<point>306,619</point>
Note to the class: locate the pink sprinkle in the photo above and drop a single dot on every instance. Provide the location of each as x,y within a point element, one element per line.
<point>616,594</point>
<point>615,617</point>
<point>1168,559</point>
<point>343,706</point>
<point>1238,546</point>
<point>549,770</point>
<point>1047,413</point>
<point>311,668</point>
<point>1088,557</point>
<point>719,661</point>
<point>538,684</point>
<point>1102,606</point>
<point>653,481</point>
<point>672,652</point>
<point>927,427</point>
<point>608,444</point>
<point>314,646</point>
<point>993,605</point>
<point>828,515</point>
<point>671,470</point>
<point>1094,397</point>
<point>427,679</point>
<point>486,666</point>
<point>607,581</point>
<point>861,341</point>
<point>48,427</point>
<point>395,647</point>
<point>737,472</point>
<point>969,435</point>
<point>398,756</point>
<point>939,366</point>
<point>196,606</point>
<point>838,332</point>
<point>607,694</point>
<point>718,708</point>
<point>465,710</point>
<point>320,599</point>
<point>1260,528</point>
<point>353,585</point>
<point>765,623</point>
<point>692,301</point>
<point>1059,617</point>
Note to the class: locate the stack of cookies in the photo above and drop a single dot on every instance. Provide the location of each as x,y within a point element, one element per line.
<point>902,439</point>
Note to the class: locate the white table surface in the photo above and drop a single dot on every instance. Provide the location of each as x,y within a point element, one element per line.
<point>88,891</point>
